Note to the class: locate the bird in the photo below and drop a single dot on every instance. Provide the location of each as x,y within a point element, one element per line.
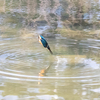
<point>43,42</point>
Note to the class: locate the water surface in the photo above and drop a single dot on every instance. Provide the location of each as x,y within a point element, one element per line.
<point>29,72</point>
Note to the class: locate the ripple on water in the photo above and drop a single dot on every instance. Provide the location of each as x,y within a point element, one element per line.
<point>14,51</point>
<point>73,69</point>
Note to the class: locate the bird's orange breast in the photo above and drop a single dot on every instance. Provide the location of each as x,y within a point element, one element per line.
<point>40,42</point>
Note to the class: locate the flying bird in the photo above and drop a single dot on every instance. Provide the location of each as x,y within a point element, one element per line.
<point>43,42</point>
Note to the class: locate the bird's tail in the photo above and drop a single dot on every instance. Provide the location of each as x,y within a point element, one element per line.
<point>49,49</point>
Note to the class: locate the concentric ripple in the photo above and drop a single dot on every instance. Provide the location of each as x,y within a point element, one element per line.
<point>74,66</point>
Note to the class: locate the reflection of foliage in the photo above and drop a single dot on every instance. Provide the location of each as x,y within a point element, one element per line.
<point>69,12</point>
<point>35,16</point>
<point>74,9</point>
<point>38,2</point>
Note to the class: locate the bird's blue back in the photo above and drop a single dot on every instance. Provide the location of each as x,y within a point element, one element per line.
<point>42,37</point>
<point>44,42</point>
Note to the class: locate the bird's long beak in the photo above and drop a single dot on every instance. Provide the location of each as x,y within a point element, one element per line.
<point>39,37</point>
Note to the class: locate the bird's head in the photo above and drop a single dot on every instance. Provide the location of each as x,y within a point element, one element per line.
<point>39,37</point>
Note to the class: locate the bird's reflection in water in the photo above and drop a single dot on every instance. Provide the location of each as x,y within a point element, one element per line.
<point>43,73</point>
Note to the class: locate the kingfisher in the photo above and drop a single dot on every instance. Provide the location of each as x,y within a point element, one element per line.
<point>43,42</point>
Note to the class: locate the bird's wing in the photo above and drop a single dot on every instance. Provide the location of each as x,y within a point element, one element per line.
<point>44,42</point>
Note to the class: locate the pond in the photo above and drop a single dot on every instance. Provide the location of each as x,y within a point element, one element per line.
<point>29,72</point>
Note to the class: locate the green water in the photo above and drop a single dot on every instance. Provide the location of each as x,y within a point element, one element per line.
<point>29,72</point>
